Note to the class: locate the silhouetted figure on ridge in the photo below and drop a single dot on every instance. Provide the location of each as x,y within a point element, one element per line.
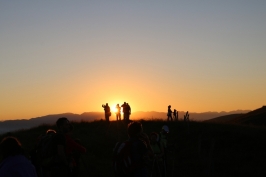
<point>128,112</point>
<point>14,163</point>
<point>107,112</point>
<point>174,114</point>
<point>186,117</point>
<point>124,108</point>
<point>169,113</point>
<point>118,112</point>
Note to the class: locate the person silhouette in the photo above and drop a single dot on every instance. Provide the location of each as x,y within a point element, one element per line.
<point>174,114</point>
<point>169,114</point>
<point>107,112</point>
<point>118,112</point>
<point>14,162</point>
<point>140,149</point>
<point>128,112</point>
<point>65,163</point>
<point>124,110</point>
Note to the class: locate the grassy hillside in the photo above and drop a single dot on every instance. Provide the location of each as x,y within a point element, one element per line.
<point>255,117</point>
<point>196,150</point>
<point>223,119</point>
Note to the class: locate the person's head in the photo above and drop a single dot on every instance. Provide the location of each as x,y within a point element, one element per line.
<point>169,106</point>
<point>117,105</point>
<point>134,129</point>
<point>10,146</point>
<point>153,137</point>
<point>106,104</point>
<point>165,129</point>
<point>64,125</point>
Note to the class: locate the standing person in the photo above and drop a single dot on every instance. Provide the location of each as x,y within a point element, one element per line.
<point>14,163</point>
<point>158,151</point>
<point>174,113</point>
<point>140,146</point>
<point>107,112</point>
<point>73,151</point>
<point>64,163</point>
<point>163,136</point>
<point>124,108</point>
<point>118,112</point>
<point>131,157</point>
<point>128,112</point>
<point>169,113</point>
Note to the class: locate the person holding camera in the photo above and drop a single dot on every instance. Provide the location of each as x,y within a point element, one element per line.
<point>107,112</point>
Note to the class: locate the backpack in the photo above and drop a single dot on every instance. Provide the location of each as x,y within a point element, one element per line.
<point>44,151</point>
<point>122,160</point>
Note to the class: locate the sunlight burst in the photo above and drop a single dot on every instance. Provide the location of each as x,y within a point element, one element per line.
<point>113,108</point>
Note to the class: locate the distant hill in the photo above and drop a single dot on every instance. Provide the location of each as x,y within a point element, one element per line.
<point>12,125</point>
<point>223,119</point>
<point>256,117</point>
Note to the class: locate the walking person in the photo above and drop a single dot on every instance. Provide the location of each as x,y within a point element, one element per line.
<point>169,113</point>
<point>174,114</point>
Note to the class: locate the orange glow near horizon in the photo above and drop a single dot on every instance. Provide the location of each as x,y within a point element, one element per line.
<point>113,109</point>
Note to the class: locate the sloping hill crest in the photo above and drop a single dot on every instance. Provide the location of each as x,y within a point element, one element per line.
<point>256,117</point>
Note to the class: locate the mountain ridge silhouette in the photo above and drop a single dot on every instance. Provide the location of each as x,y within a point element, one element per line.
<point>255,117</point>
<point>14,125</point>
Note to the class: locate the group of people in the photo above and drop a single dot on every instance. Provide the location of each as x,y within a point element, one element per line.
<point>148,153</point>
<point>64,159</point>
<point>170,112</point>
<point>125,108</point>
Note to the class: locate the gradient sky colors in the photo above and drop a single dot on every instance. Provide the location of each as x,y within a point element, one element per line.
<point>73,56</point>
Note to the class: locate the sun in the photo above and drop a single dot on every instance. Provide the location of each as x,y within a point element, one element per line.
<point>113,108</point>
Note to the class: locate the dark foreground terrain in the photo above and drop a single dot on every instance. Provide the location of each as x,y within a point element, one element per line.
<point>196,149</point>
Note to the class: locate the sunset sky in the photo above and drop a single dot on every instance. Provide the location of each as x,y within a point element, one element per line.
<point>73,56</point>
